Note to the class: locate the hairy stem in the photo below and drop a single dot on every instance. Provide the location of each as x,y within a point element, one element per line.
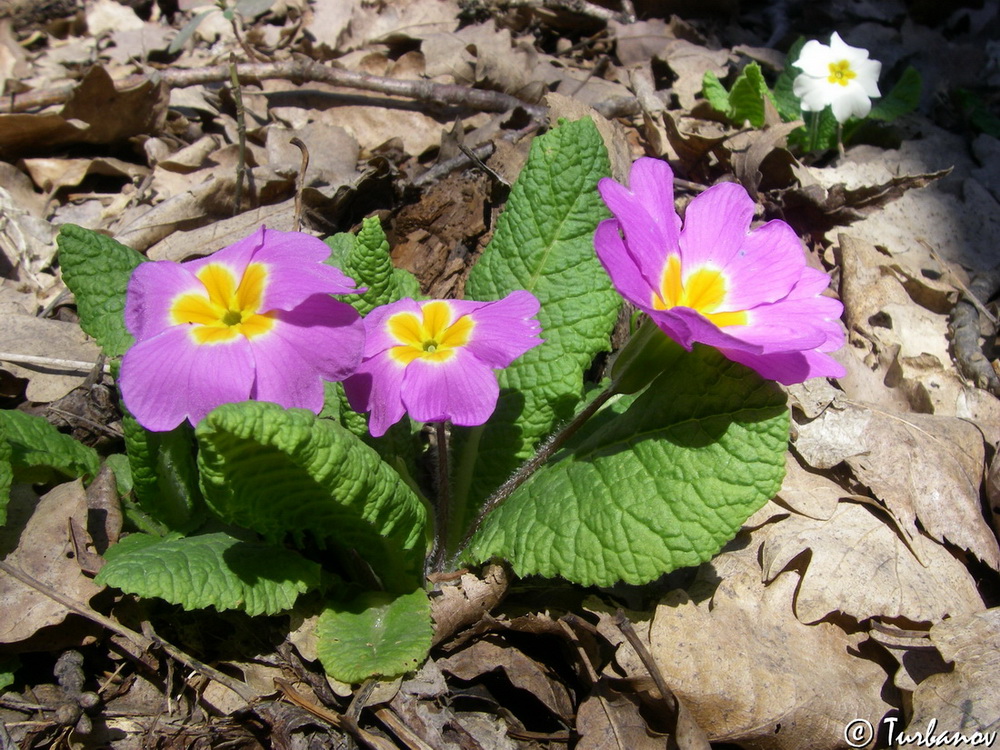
<point>548,448</point>
<point>442,508</point>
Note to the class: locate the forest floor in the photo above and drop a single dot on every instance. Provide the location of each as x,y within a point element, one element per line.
<point>867,590</point>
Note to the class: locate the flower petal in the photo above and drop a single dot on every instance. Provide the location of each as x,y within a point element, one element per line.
<point>298,269</point>
<point>789,368</point>
<point>168,378</point>
<point>463,390</point>
<point>715,226</point>
<point>814,59</point>
<point>375,387</point>
<point>852,100</point>
<point>765,269</point>
<point>152,288</point>
<point>321,339</point>
<point>377,336</point>
<point>621,265</point>
<point>504,329</point>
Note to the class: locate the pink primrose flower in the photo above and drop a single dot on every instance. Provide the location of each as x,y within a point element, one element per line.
<point>748,293</point>
<point>435,359</point>
<point>252,321</point>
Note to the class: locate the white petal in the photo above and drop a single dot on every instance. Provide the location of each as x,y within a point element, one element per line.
<point>814,59</point>
<point>868,72</point>
<point>852,101</point>
<point>813,93</point>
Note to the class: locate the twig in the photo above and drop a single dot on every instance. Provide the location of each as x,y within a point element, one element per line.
<point>300,180</point>
<point>51,363</point>
<point>241,133</point>
<point>142,641</point>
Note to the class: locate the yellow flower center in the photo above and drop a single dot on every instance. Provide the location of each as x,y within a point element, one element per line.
<point>229,307</point>
<point>703,291</point>
<point>840,72</point>
<point>432,335</point>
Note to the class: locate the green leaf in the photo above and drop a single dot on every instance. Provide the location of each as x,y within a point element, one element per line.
<point>38,451</point>
<point>365,258</point>
<point>746,100</point>
<point>6,473</point>
<point>97,270</point>
<point>375,634</point>
<point>904,97</point>
<point>785,100</point>
<point>9,664</point>
<point>651,483</point>
<point>209,570</point>
<point>543,243</point>
<point>164,474</point>
<point>123,472</point>
<point>715,93</point>
<point>282,472</point>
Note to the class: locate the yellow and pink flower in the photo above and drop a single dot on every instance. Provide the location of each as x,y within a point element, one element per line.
<point>435,359</point>
<point>252,321</point>
<point>713,280</point>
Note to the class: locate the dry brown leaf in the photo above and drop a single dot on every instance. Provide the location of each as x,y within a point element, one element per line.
<point>860,566</point>
<point>809,494</point>
<point>690,62</point>
<point>751,673</point>
<point>104,16</point>
<point>333,154</point>
<point>391,22</point>
<point>466,603</point>
<point>25,334</point>
<point>522,671</point>
<point>36,541</point>
<point>966,700</point>
<point>923,467</point>
<point>612,133</point>
<point>609,720</point>
<point>51,174</point>
<point>97,112</point>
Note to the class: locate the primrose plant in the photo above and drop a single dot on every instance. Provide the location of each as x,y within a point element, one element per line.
<point>277,391</point>
<point>829,86</point>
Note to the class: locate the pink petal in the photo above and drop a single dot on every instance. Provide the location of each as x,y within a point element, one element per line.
<point>621,266</point>
<point>504,329</point>
<point>646,213</point>
<point>715,226</point>
<point>168,378</point>
<point>789,368</point>
<point>463,389</point>
<point>377,338</point>
<point>151,290</point>
<point>321,339</point>
<point>375,387</point>
<point>298,270</point>
<point>766,268</point>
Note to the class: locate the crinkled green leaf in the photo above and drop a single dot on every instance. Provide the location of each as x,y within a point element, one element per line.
<point>903,98</point>
<point>543,243</point>
<point>715,92</point>
<point>375,634</point>
<point>365,258</point>
<point>6,473</point>
<point>209,570</point>
<point>97,270</point>
<point>785,100</point>
<point>652,483</point>
<point>39,451</point>
<point>747,96</point>
<point>744,102</point>
<point>164,474</point>
<point>282,472</point>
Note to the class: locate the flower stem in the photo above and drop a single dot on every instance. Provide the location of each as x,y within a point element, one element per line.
<point>529,467</point>
<point>442,508</point>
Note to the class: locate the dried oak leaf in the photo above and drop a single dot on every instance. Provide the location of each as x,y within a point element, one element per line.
<point>36,541</point>
<point>96,112</point>
<point>859,565</point>
<point>923,467</point>
<point>822,208</point>
<point>967,699</point>
<point>750,672</point>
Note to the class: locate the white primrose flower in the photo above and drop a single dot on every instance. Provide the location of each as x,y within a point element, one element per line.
<point>839,75</point>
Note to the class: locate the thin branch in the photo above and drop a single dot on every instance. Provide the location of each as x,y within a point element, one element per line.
<point>142,641</point>
<point>51,363</point>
